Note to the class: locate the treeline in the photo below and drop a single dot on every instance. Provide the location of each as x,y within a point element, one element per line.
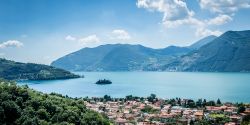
<point>20,105</point>
<point>188,103</point>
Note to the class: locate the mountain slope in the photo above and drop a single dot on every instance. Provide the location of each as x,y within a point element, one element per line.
<point>118,57</point>
<point>202,42</point>
<point>228,53</point>
<point>15,71</point>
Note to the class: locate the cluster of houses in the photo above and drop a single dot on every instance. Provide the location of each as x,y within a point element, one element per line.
<point>132,112</point>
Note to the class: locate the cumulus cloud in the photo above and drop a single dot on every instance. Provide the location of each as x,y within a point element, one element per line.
<point>89,39</point>
<point>224,6</point>
<point>11,43</point>
<point>70,38</point>
<point>219,20</point>
<point>120,34</point>
<point>188,21</point>
<point>206,32</point>
<point>175,12</point>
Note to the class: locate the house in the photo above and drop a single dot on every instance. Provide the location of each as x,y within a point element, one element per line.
<point>120,121</point>
<point>182,121</point>
<point>230,123</point>
<point>235,118</point>
<point>247,111</point>
<point>198,115</point>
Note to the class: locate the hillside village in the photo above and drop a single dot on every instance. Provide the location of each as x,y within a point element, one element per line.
<point>145,111</point>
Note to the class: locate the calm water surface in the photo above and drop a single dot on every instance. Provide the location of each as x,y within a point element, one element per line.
<point>233,87</point>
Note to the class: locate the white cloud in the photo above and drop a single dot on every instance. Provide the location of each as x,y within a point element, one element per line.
<point>176,13</point>
<point>202,32</point>
<point>70,38</point>
<point>224,6</point>
<point>89,39</point>
<point>120,34</point>
<point>219,20</point>
<point>188,21</point>
<point>11,43</point>
<point>171,9</point>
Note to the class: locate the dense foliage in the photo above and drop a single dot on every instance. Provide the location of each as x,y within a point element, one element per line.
<point>15,71</point>
<point>150,110</point>
<point>21,105</point>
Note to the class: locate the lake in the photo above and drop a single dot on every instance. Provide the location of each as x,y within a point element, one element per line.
<point>234,87</point>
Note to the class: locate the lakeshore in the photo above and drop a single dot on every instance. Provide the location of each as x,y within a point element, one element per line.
<point>231,87</point>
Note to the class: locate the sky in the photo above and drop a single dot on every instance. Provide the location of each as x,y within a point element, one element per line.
<point>41,31</point>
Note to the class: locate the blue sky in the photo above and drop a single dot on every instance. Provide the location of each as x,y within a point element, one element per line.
<point>41,31</point>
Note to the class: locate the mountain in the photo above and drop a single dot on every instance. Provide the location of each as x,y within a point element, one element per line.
<point>119,57</point>
<point>202,42</point>
<point>228,53</point>
<point>17,71</point>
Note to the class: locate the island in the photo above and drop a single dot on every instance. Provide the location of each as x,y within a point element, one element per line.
<point>103,82</point>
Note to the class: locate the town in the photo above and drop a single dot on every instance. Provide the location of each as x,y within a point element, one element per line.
<point>156,111</point>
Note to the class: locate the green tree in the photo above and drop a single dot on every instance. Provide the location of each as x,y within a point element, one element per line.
<point>152,98</point>
<point>43,114</point>
<point>11,111</point>
<point>218,102</point>
<point>246,120</point>
<point>241,109</point>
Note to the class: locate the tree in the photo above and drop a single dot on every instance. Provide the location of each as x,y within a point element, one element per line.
<point>11,111</point>
<point>211,103</point>
<point>151,98</point>
<point>241,109</point>
<point>107,98</point>
<point>199,103</point>
<point>204,103</point>
<point>190,104</point>
<point>1,115</point>
<point>246,120</point>
<point>218,102</point>
<point>43,114</point>
<point>129,97</point>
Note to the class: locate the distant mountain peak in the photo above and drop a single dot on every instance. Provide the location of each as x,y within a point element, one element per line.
<point>202,42</point>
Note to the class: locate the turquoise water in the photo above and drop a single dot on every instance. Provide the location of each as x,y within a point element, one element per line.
<point>233,87</point>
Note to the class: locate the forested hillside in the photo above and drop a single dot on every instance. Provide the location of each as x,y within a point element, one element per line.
<point>24,106</point>
<point>29,71</point>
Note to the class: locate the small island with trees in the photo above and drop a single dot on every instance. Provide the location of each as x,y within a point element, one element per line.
<point>103,82</point>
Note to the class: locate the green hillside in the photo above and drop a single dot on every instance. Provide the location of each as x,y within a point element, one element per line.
<point>24,106</point>
<point>28,71</point>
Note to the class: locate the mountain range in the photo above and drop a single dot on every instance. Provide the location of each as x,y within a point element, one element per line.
<point>229,52</point>
<point>119,57</point>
